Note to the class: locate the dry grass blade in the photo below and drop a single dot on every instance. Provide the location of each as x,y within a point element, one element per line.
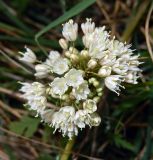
<point>45,145</point>
<point>19,97</point>
<point>101,6</point>
<point>9,109</point>
<point>3,156</point>
<point>134,20</point>
<point>14,62</point>
<point>147,32</point>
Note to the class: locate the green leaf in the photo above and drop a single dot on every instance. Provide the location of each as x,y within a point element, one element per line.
<point>8,12</point>
<point>9,152</point>
<point>149,145</point>
<point>21,4</point>
<point>72,12</point>
<point>120,142</point>
<point>48,131</point>
<point>45,156</point>
<point>27,126</point>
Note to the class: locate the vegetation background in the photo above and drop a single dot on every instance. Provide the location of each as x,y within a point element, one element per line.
<point>126,131</point>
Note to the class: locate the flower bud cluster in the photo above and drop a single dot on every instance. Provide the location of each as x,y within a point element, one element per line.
<point>79,77</point>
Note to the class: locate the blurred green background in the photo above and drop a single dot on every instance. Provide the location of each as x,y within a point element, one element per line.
<point>126,131</point>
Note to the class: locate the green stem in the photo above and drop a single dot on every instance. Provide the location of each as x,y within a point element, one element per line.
<point>67,151</point>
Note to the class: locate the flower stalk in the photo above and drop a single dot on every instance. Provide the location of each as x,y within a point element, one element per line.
<point>68,149</point>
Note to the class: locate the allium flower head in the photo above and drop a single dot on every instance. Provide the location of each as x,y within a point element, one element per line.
<point>76,79</point>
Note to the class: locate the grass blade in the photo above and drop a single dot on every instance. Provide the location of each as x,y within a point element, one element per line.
<point>72,12</point>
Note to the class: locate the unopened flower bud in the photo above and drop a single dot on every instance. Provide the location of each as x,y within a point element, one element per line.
<point>48,90</point>
<point>67,54</point>
<point>73,50</point>
<point>95,119</point>
<point>63,43</point>
<point>64,97</point>
<point>42,70</point>
<point>96,83</point>
<point>74,58</point>
<point>71,96</point>
<point>99,89</point>
<point>84,53</point>
<point>92,63</point>
<point>104,71</point>
<point>96,99</point>
<point>91,94</point>
<point>91,80</point>
<point>100,94</point>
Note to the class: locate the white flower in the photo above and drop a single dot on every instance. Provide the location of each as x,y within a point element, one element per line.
<point>95,119</point>
<point>81,118</point>
<point>104,71</point>
<point>108,59</point>
<point>113,83</point>
<point>57,119</point>
<point>37,103</point>
<point>53,56</point>
<point>70,30</point>
<point>69,111</point>
<point>28,56</point>
<point>131,77</point>
<point>88,27</point>
<point>60,66</point>
<point>88,39</point>
<point>90,106</point>
<point>46,115</point>
<point>118,48</point>
<point>33,89</point>
<point>42,70</point>
<point>64,121</point>
<point>59,86</point>
<point>74,77</point>
<point>81,92</point>
<point>120,68</point>
<point>99,43</point>
<point>26,87</point>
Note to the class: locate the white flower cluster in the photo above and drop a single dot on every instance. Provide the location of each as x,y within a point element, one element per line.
<point>35,94</point>
<point>79,77</point>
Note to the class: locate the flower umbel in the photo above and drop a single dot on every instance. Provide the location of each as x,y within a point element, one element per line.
<point>75,80</point>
